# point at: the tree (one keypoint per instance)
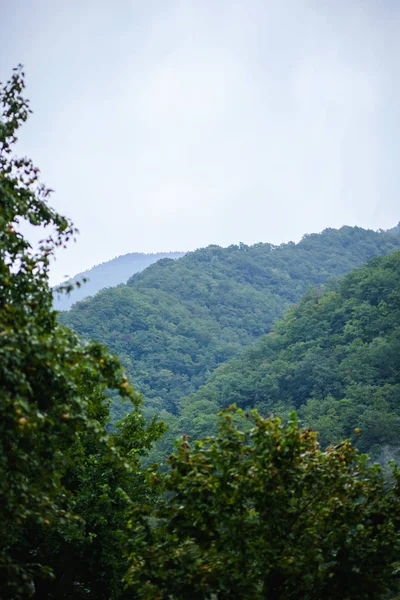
(260, 511)
(52, 386)
(87, 561)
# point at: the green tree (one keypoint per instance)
(260, 511)
(52, 387)
(87, 561)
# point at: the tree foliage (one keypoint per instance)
(334, 357)
(51, 385)
(87, 561)
(260, 511)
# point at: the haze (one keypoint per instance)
(170, 125)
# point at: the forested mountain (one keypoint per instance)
(257, 511)
(174, 323)
(334, 357)
(108, 274)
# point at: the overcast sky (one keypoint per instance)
(169, 125)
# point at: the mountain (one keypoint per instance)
(108, 274)
(334, 357)
(175, 322)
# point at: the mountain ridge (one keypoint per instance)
(109, 273)
(334, 357)
(175, 322)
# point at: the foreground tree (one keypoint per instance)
(264, 513)
(52, 391)
(87, 561)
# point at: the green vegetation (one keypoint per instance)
(259, 510)
(107, 274)
(173, 324)
(63, 480)
(101, 479)
(334, 357)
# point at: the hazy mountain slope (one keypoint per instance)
(109, 274)
(335, 357)
(175, 322)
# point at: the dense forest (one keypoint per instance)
(334, 357)
(258, 510)
(107, 274)
(174, 323)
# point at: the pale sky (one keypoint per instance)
(174, 124)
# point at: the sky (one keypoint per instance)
(175, 124)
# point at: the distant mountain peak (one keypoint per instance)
(109, 274)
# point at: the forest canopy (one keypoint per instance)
(175, 322)
(334, 357)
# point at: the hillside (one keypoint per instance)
(334, 357)
(175, 322)
(109, 274)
